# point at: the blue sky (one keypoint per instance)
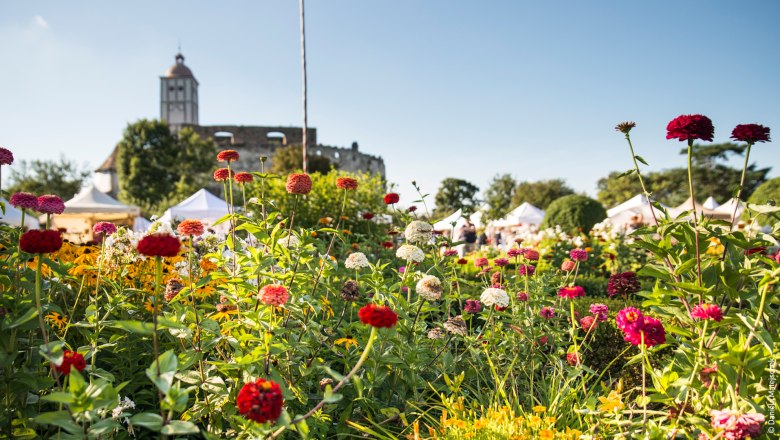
(437, 88)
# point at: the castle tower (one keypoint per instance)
(179, 95)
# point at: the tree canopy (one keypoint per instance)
(456, 194)
(499, 196)
(61, 177)
(290, 159)
(158, 169)
(540, 193)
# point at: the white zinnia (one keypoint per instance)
(410, 253)
(356, 260)
(418, 232)
(429, 287)
(492, 296)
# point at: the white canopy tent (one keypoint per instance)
(141, 224)
(445, 224)
(525, 214)
(636, 207)
(710, 203)
(700, 210)
(13, 217)
(202, 206)
(728, 208)
(88, 207)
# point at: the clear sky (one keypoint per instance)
(437, 88)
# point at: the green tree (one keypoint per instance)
(158, 169)
(711, 177)
(767, 194)
(61, 177)
(541, 193)
(456, 194)
(574, 213)
(289, 159)
(499, 196)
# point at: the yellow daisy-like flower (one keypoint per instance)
(539, 409)
(346, 342)
(573, 434)
(325, 221)
(611, 403)
(224, 315)
(314, 234)
(715, 247)
(546, 434)
(535, 420)
(346, 232)
(57, 320)
(149, 307)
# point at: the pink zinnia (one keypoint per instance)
(735, 425)
(571, 292)
(243, 177)
(690, 127)
(472, 306)
(480, 262)
(500, 262)
(573, 359)
(629, 319)
(274, 295)
(227, 156)
(223, 174)
(750, 133)
(578, 255)
(105, 228)
(514, 252)
(568, 266)
(24, 200)
(6, 156)
(600, 311)
(588, 323)
(50, 204)
(547, 312)
(652, 330)
(707, 311)
(299, 184)
(530, 254)
(522, 296)
(450, 253)
(526, 270)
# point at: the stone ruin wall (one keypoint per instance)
(253, 142)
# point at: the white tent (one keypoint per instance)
(88, 207)
(13, 217)
(635, 206)
(202, 206)
(728, 208)
(91, 200)
(476, 218)
(141, 224)
(445, 224)
(701, 210)
(526, 213)
(710, 203)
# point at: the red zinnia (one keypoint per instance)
(690, 127)
(462, 261)
(36, 241)
(750, 133)
(653, 332)
(298, 184)
(274, 295)
(530, 254)
(391, 198)
(227, 156)
(223, 174)
(243, 177)
(500, 262)
(24, 200)
(190, 227)
(368, 215)
(387, 244)
(260, 401)
(377, 316)
(159, 245)
(50, 204)
(568, 266)
(347, 183)
(71, 359)
(573, 359)
(588, 323)
(571, 292)
(6, 156)
(411, 209)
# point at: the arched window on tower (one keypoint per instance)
(223, 138)
(276, 138)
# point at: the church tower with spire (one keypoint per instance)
(179, 95)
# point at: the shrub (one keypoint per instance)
(574, 212)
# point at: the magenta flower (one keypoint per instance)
(24, 200)
(472, 306)
(629, 319)
(578, 255)
(450, 253)
(514, 252)
(526, 270)
(522, 296)
(690, 127)
(707, 311)
(50, 204)
(547, 312)
(750, 133)
(105, 228)
(652, 330)
(571, 292)
(6, 156)
(623, 284)
(500, 262)
(600, 311)
(736, 425)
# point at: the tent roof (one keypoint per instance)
(446, 223)
(525, 213)
(202, 205)
(13, 217)
(710, 203)
(91, 200)
(637, 201)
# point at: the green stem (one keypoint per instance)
(38, 305)
(695, 218)
(417, 315)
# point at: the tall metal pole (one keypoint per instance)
(303, 64)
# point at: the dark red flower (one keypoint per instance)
(462, 261)
(623, 284)
(260, 401)
(571, 292)
(299, 183)
(6, 156)
(36, 241)
(367, 215)
(50, 204)
(159, 245)
(377, 316)
(227, 156)
(190, 227)
(526, 270)
(761, 250)
(500, 262)
(71, 359)
(391, 198)
(750, 133)
(387, 244)
(243, 177)
(24, 200)
(411, 209)
(223, 174)
(472, 306)
(690, 127)
(347, 183)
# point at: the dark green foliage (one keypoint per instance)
(456, 194)
(158, 169)
(289, 159)
(61, 177)
(541, 193)
(768, 193)
(499, 196)
(574, 213)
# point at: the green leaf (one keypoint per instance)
(58, 397)
(148, 420)
(167, 365)
(330, 396)
(179, 427)
(142, 328)
(639, 158)
(26, 317)
(58, 418)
